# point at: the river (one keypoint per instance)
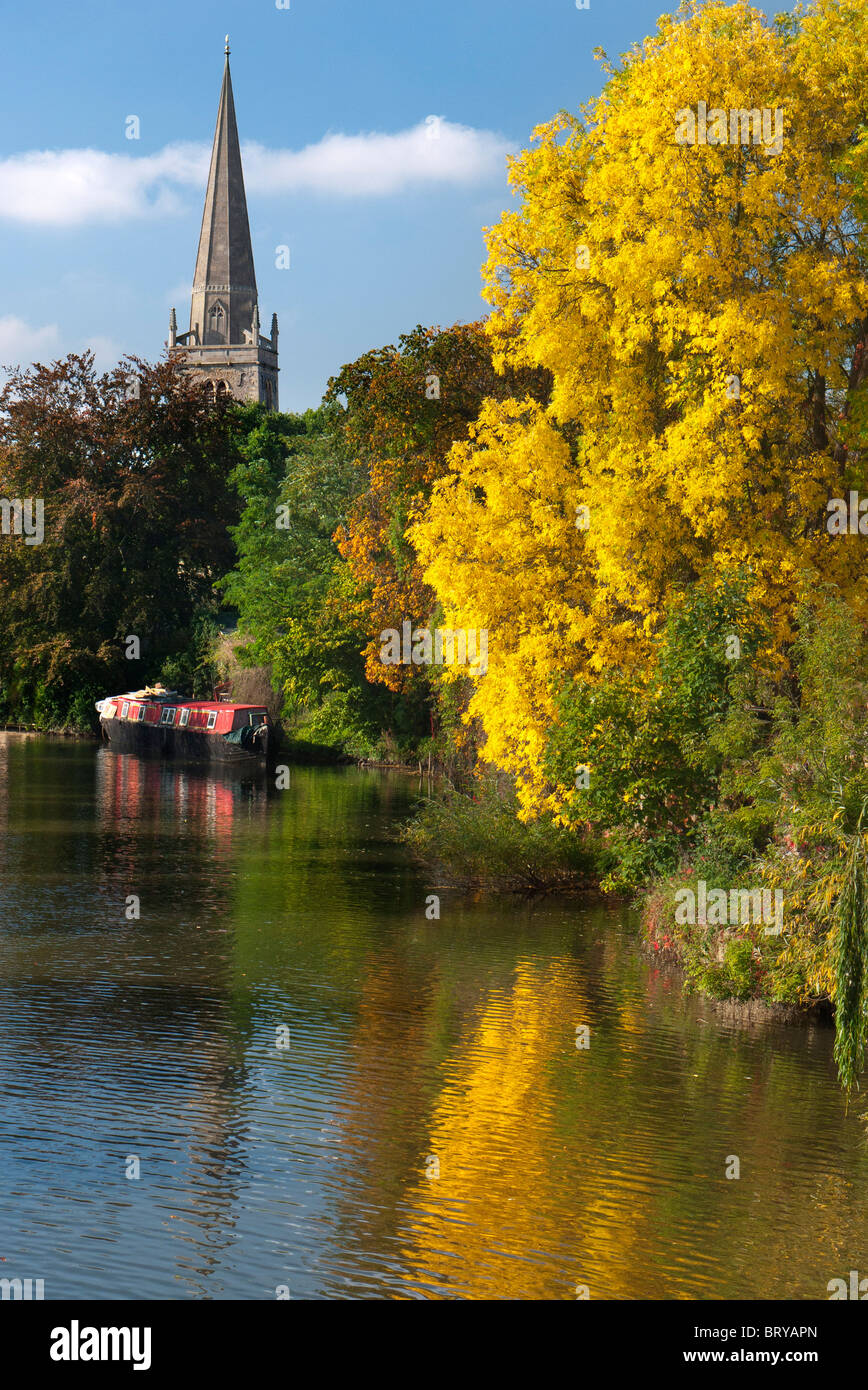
(239, 1061)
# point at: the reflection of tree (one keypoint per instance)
(560, 1167)
(494, 1133)
(321, 879)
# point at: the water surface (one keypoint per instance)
(432, 1129)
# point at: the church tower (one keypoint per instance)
(224, 346)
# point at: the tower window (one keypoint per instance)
(217, 319)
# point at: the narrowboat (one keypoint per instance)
(159, 721)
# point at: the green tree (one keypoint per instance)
(132, 468)
(634, 756)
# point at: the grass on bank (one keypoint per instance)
(475, 840)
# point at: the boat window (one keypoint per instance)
(125, 709)
(185, 718)
(212, 719)
(141, 714)
(168, 716)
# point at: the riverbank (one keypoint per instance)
(740, 1012)
(48, 733)
(736, 969)
(475, 841)
(730, 959)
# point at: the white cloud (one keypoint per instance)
(68, 188)
(20, 344)
(372, 164)
(76, 187)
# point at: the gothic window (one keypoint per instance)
(217, 320)
(208, 392)
(222, 389)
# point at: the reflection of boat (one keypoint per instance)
(155, 720)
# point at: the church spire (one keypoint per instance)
(224, 285)
(224, 347)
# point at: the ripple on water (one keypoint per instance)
(431, 1130)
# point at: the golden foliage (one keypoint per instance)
(703, 311)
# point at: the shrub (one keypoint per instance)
(478, 839)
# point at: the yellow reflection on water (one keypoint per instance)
(494, 1134)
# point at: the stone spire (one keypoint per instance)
(223, 345)
(224, 283)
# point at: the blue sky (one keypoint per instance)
(98, 233)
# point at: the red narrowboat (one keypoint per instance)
(155, 720)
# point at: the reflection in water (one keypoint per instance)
(416, 1048)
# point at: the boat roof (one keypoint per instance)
(169, 697)
(212, 704)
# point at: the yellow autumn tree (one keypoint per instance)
(688, 260)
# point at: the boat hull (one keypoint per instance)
(155, 740)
